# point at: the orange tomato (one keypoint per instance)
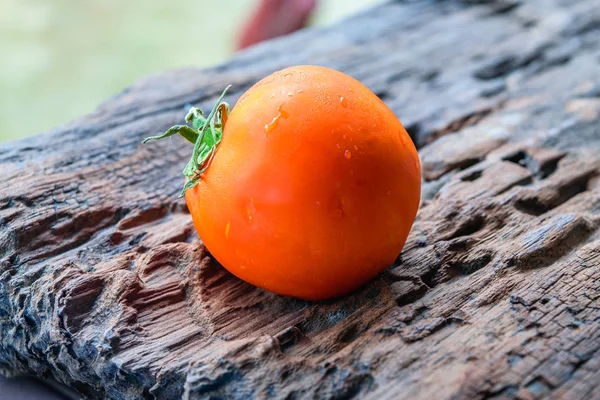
(313, 189)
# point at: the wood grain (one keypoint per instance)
(105, 287)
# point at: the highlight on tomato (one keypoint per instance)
(307, 188)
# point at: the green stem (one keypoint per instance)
(185, 131)
(206, 135)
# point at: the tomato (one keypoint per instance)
(313, 189)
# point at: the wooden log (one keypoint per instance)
(105, 287)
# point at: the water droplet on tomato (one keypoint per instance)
(270, 127)
(299, 91)
(281, 113)
(350, 89)
(348, 154)
(227, 229)
(355, 147)
(287, 75)
(290, 94)
(344, 102)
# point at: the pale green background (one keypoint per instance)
(61, 58)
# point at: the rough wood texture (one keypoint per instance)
(105, 287)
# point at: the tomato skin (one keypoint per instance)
(314, 187)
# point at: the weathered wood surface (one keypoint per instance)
(104, 285)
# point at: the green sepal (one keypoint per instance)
(185, 131)
(206, 135)
(196, 117)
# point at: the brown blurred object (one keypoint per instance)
(274, 18)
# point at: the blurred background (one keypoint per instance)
(61, 58)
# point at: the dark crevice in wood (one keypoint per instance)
(348, 335)
(143, 217)
(513, 358)
(429, 277)
(532, 206)
(471, 176)
(472, 225)
(536, 206)
(520, 158)
(504, 65)
(427, 329)
(399, 76)
(383, 94)
(539, 387)
(430, 75)
(468, 163)
(548, 168)
(541, 169)
(469, 266)
(528, 23)
(407, 292)
(459, 124)
(459, 244)
(288, 337)
(570, 190)
(414, 131)
(504, 7)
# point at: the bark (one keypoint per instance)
(105, 287)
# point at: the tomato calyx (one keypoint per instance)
(205, 134)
